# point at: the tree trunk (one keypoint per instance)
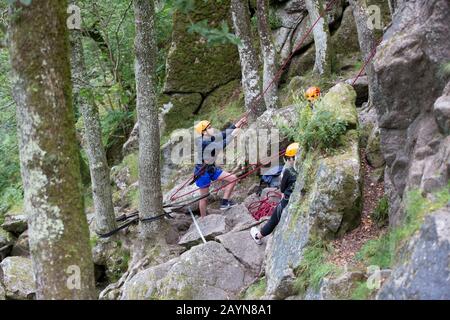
(147, 114)
(58, 230)
(251, 82)
(105, 220)
(268, 54)
(322, 39)
(366, 39)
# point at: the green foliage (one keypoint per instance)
(274, 21)
(381, 213)
(317, 128)
(382, 251)
(112, 121)
(214, 36)
(444, 70)
(256, 290)
(361, 292)
(313, 267)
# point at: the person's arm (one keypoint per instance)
(284, 184)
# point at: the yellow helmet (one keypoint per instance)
(292, 149)
(312, 93)
(202, 125)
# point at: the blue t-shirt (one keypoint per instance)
(209, 146)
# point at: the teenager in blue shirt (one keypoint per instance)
(208, 146)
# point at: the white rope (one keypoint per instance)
(197, 226)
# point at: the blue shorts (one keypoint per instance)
(205, 179)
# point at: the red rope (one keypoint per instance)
(264, 207)
(372, 54)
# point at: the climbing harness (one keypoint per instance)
(264, 207)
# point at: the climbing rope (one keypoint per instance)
(265, 206)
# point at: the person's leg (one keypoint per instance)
(272, 223)
(203, 182)
(203, 203)
(231, 181)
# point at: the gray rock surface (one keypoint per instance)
(205, 272)
(18, 278)
(425, 274)
(244, 249)
(211, 226)
(414, 48)
(15, 222)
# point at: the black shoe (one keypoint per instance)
(227, 204)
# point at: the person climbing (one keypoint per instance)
(288, 178)
(206, 170)
(312, 94)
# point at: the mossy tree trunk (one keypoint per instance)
(366, 39)
(105, 220)
(150, 203)
(58, 230)
(251, 81)
(269, 55)
(322, 39)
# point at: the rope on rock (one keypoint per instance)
(264, 207)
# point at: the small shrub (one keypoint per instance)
(313, 268)
(381, 213)
(361, 292)
(316, 128)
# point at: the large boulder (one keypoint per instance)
(21, 247)
(6, 238)
(325, 203)
(244, 249)
(192, 64)
(425, 273)
(205, 272)
(2, 292)
(18, 278)
(408, 81)
(211, 226)
(442, 111)
(15, 222)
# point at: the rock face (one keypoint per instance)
(18, 278)
(15, 222)
(211, 226)
(244, 249)
(408, 84)
(207, 271)
(21, 247)
(6, 238)
(2, 292)
(425, 274)
(326, 201)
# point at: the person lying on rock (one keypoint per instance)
(288, 178)
(208, 146)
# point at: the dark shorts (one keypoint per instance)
(205, 179)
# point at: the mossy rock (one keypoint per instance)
(192, 64)
(341, 100)
(182, 113)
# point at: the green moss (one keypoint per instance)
(256, 290)
(193, 65)
(313, 267)
(132, 162)
(182, 114)
(361, 291)
(381, 213)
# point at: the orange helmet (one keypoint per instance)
(202, 126)
(312, 94)
(292, 149)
